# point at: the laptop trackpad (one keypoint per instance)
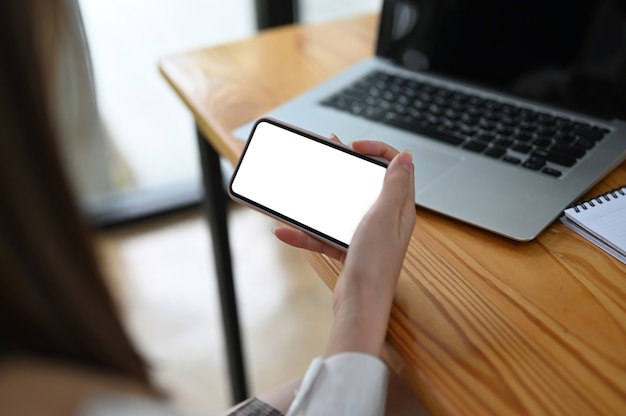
(431, 164)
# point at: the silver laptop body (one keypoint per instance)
(506, 195)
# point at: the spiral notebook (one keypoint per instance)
(601, 220)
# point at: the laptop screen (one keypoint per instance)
(568, 53)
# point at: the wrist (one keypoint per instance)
(359, 325)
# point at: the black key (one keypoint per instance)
(573, 151)
(452, 115)
(509, 121)
(588, 132)
(475, 146)
(416, 113)
(493, 105)
(585, 143)
(374, 113)
(449, 125)
(527, 127)
(440, 100)
(504, 130)
(395, 87)
(354, 93)
(552, 172)
(546, 120)
(356, 108)
(486, 137)
(436, 109)
(457, 105)
(410, 93)
(440, 135)
(510, 110)
(522, 148)
(385, 104)
(476, 101)
(400, 109)
(560, 158)
(491, 116)
(375, 92)
(472, 110)
(523, 136)
(389, 95)
(534, 163)
(468, 130)
(502, 142)
(542, 143)
(496, 152)
(339, 102)
(429, 88)
(404, 99)
(564, 125)
(567, 138)
(426, 97)
(432, 119)
(420, 104)
(460, 96)
(513, 160)
(469, 119)
(527, 114)
(372, 101)
(547, 133)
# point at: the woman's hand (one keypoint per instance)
(364, 291)
(303, 240)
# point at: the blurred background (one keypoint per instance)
(161, 267)
(150, 132)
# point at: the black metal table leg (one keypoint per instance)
(215, 203)
(272, 13)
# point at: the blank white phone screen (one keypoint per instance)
(324, 188)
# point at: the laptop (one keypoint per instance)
(512, 110)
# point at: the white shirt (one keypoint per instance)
(344, 384)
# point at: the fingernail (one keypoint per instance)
(405, 158)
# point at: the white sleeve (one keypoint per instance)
(345, 384)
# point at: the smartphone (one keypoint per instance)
(317, 185)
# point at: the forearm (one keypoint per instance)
(360, 323)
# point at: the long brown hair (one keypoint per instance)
(54, 303)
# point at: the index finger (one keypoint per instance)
(375, 148)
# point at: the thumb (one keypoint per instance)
(398, 182)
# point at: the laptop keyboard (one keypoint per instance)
(516, 135)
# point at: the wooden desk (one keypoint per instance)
(480, 324)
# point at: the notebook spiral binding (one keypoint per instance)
(600, 199)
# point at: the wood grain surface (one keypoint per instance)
(481, 324)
